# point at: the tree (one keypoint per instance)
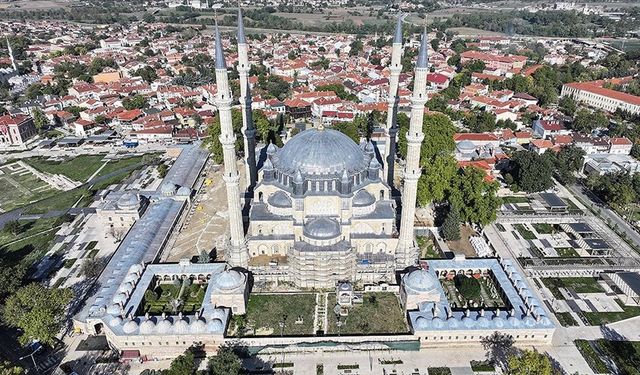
(567, 105)
(38, 311)
(7, 368)
(10, 279)
(226, 362)
(586, 121)
(39, 119)
(150, 296)
(92, 267)
(356, 47)
(436, 180)
(531, 172)
(212, 143)
(499, 347)
(349, 130)
(451, 225)
(474, 196)
(204, 257)
(148, 74)
(568, 161)
(14, 227)
(134, 102)
(183, 364)
(529, 362)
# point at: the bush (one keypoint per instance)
(451, 225)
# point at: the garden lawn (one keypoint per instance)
(601, 318)
(512, 199)
(380, 313)
(191, 299)
(79, 168)
(61, 201)
(567, 252)
(577, 284)
(427, 248)
(543, 228)
(116, 165)
(566, 319)
(524, 232)
(591, 357)
(20, 187)
(265, 312)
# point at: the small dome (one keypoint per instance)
(483, 322)
(136, 268)
(271, 149)
(147, 327)
(113, 309)
(322, 228)
(363, 198)
(421, 280)
(498, 321)
(514, 322)
(374, 164)
(128, 201)
(368, 147)
(180, 327)
(120, 298)
(131, 278)
(126, 287)
(198, 326)
(453, 323)
(468, 322)
(279, 199)
(466, 147)
(422, 322)
(168, 189)
(164, 326)
(115, 321)
(215, 325)
(184, 191)
(437, 322)
(529, 321)
(545, 321)
(268, 165)
(130, 327)
(229, 279)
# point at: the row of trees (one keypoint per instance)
(616, 189)
(531, 172)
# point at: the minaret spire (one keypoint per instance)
(236, 254)
(248, 129)
(13, 60)
(407, 251)
(392, 104)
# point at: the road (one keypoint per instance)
(605, 212)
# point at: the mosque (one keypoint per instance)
(320, 214)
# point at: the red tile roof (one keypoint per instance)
(613, 94)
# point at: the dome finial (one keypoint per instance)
(319, 123)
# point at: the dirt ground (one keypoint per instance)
(206, 225)
(463, 245)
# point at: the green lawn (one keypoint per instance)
(566, 319)
(577, 284)
(524, 232)
(439, 371)
(600, 318)
(20, 187)
(543, 228)
(265, 313)
(482, 366)
(512, 199)
(427, 249)
(567, 252)
(79, 168)
(591, 357)
(379, 313)
(115, 165)
(61, 201)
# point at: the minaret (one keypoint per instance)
(237, 254)
(407, 251)
(13, 60)
(392, 104)
(248, 130)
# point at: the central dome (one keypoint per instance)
(323, 151)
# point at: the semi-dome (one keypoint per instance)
(322, 228)
(279, 199)
(229, 279)
(421, 280)
(324, 151)
(167, 189)
(363, 198)
(128, 201)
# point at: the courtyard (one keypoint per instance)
(172, 298)
(476, 291)
(276, 315)
(379, 313)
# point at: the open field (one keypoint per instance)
(378, 314)
(601, 318)
(78, 169)
(20, 187)
(577, 284)
(34, 4)
(30, 244)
